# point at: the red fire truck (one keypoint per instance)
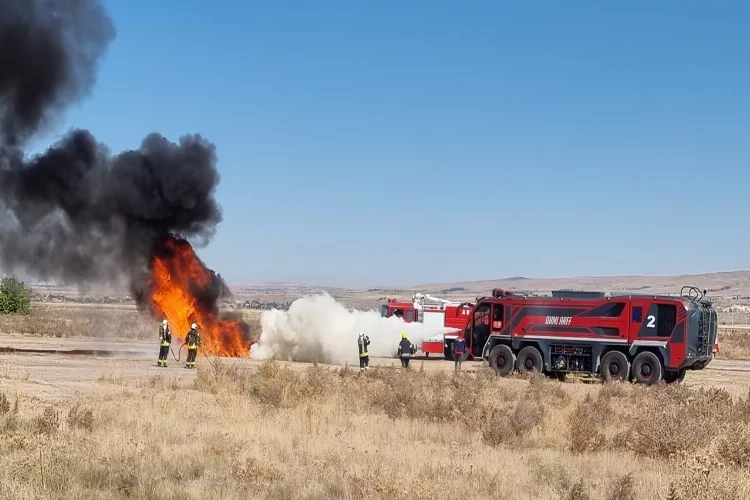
(435, 312)
(646, 338)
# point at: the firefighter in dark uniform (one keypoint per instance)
(193, 340)
(364, 357)
(165, 339)
(405, 350)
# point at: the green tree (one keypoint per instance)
(15, 296)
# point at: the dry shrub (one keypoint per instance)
(252, 472)
(4, 404)
(672, 420)
(699, 478)
(614, 390)
(732, 445)
(217, 375)
(622, 488)
(742, 409)
(672, 494)
(550, 392)
(437, 398)
(276, 386)
(527, 415)
(48, 422)
(578, 491)
(586, 423)
(273, 384)
(405, 395)
(80, 417)
(495, 432)
(553, 474)
(510, 425)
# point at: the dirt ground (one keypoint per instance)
(56, 369)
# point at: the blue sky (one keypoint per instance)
(394, 143)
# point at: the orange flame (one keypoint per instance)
(180, 288)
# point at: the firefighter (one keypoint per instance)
(459, 348)
(165, 339)
(364, 358)
(405, 350)
(193, 340)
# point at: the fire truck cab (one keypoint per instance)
(433, 312)
(646, 338)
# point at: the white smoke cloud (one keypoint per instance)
(317, 328)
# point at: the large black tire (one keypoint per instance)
(502, 360)
(647, 368)
(614, 366)
(530, 360)
(671, 377)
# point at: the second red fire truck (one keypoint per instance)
(433, 312)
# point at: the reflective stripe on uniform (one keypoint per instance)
(192, 346)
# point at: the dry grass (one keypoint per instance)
(47, 320)
(279, 433)
(734, 343)
(102, 321)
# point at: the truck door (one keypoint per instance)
(481, 328)
(638, 311)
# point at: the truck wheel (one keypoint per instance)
(614, 366)
(647, 368)
(674, 376)
(530, 360)
(502, 360)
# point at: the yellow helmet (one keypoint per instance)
(403, 335)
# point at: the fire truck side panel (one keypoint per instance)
(433, 319)
(436, 347)
(550, 325)
(455, 316)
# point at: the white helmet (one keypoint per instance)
(164, 322)
(194, 326)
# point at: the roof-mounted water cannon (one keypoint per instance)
(499, 292)
(420, 299)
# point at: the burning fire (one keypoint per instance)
(184, 291)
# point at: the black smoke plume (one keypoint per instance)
(76, 213)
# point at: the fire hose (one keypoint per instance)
(179, 352)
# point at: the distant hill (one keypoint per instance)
(732, 282)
